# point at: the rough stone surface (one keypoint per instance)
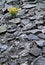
(35, 51)
(22, 38)
(3, 28)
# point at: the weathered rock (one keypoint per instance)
(11, 27)
(11, 1)
(28, 26)
(1, 56)
(22, 60)
(39, 16)
(35, 51)
(2, 4)
(21, 12)
(16, 20)
(10, 37)
(43, 30)
(24, 63)
(23, 36)
(16, 33)
(25, 21)
(3, 28)
(41, 35)
(7, 16)
(33, 37)
(40, 43)
(9, 49)
(32, 18)
(43, 52)
(24, 53)
(31, 12)
(34, 31)
(13, 63)
(24, 0)
(3, 48)
(39, 22)
(21, 46)
(28, 6)
(38, 61)
(4, 60)
(14, 56)
(1, 16)
(25, 16)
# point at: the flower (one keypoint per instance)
(12, 9)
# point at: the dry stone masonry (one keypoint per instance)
(22, 38)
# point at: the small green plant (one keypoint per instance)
(13, 11)
(13, 14)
